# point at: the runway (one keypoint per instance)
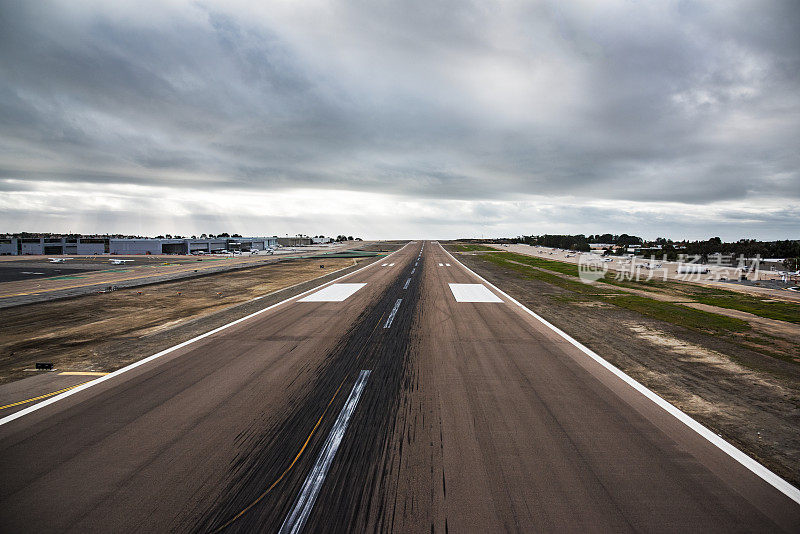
(389, 400)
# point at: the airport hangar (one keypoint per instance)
(87, 246)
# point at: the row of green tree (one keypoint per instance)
(578, 242)
(749, 248)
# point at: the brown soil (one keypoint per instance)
(103, 332)
(771, 327)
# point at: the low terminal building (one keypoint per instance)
(18, 246)
(294, 241)
(87, 246)
(190, 246)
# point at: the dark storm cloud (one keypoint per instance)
(656, 101)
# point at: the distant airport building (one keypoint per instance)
(294, 241)
(87, 246)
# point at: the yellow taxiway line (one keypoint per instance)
(42, 396)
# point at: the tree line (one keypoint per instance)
(579, 242)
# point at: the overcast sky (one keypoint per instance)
(428, 119)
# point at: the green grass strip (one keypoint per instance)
(722, 298)
(679, 315)
(666, 311)
(473, 248)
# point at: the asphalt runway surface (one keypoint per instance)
(12, 274)
(395, 408)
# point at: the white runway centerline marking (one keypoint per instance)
(333, 293)
(296, 519)
(407, 282)
(413, 270)
(416, 263)
(473, 293)
(394, 312)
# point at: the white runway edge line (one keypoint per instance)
(394, 312)
(296, 519)
(765, 474)
(51, 400)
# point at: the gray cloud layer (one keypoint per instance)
(685, 102)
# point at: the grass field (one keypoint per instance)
(523, 264)
(472, 248)
(680, 315)
(770, 309)
(570, 269)
(665, 311)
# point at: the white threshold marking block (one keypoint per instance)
(441, 265)
(447, 265)
(296, 519)
(384, 264)
(473, 293)
(333, 293)
(391, 265)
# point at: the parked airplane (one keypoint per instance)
(58, 260)
(119, 262)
